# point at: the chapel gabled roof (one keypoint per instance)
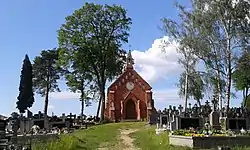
(129, 68)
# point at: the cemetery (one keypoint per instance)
(208, 47)
(21, 131)
(205, 127)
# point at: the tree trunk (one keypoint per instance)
(199, 102)
(228, 75)
(46, 108)
(99, 106)
(82, 110)
(186, 91)
(219, 90)
(102, 103)
(245, 93)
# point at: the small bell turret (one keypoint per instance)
(130, 60)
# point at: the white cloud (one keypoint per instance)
(157, 63)
(51, 107)
(64, 95)
(168, 95)
(165, 97)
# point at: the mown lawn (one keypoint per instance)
(90, 139)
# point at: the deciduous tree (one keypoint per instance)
(195, 88)
(96, 33)
(177, 34)
(215, 31)
(241, 75)
(79, 82)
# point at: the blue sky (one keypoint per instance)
(29, 26)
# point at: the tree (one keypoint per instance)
(177, 33)
(95, 33)
(78, 82)
(215, 31)
(246, 102)
(46, 75)
(241, 75)
(195, 88)
(26, 95)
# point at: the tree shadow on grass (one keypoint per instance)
(79, 140)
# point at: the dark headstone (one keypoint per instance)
(237, 124)
(29, 114)
(186, 123)
(153, 118)
(39, 123)
(164, 120)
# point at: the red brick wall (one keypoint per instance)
(119, 87)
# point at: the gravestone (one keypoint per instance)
(237, 123)
(29, 114)
(237, 119)
(214, 116)
(3, 124)
(193, 117)
(186, 123)
(164, 119)
(153, 118)
(214, 119)
(63, 117)
(25, 124)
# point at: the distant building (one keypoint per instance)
(3, 117)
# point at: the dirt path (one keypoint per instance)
(126, 142)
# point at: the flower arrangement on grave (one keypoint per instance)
(207, 131)
(200, 133)
(243, 132)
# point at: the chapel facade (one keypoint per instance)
(129, 97)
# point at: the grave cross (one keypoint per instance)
(175, 111)
(190, 105)
(206, 108)
(71, 115)
(207, 102)
(180, 108)
(164, 111)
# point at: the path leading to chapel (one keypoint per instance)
(126, 142)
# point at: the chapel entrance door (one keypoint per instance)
(130, 110)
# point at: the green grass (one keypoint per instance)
(146, 139)
(91, 138)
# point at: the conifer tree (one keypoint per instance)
(26, 95)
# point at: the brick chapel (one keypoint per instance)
(129, 97)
